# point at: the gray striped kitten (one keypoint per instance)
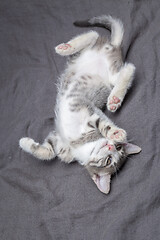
(95, 75)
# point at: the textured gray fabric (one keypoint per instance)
(52, 200)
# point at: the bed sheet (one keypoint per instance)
(53, 200)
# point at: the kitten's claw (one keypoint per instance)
(113, 103)
(64, 49)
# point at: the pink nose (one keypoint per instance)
(110, 147)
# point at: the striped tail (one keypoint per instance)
(113, 24)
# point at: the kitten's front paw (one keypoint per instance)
(118, 135)
(113, 103)
(64, 49)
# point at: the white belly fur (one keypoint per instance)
(71, 124)
(94, 63)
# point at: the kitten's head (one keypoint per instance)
(105, 159)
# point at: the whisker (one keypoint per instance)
(129, 157)
(130, 140)
(115, 169)
(118, 169)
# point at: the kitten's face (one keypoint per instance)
(105, 158)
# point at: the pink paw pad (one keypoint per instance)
(114, 103)
(64, 46)
(117, 134)
(114, 100)
(112, 107)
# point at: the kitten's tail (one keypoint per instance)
(113, 24)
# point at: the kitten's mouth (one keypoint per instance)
(108, 146)
(104, 144)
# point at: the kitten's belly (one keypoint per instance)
(70, 124)
(93, 63)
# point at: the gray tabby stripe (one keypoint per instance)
(88, 137)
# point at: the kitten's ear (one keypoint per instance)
(132, 149)
(102, 182)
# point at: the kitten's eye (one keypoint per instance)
(118, 147)
(109, 160)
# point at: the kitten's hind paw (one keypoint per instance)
(64, 49)
(113, 103)
(26, 144)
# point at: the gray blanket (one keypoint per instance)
(53, 200)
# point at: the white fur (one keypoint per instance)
(26, 143)
(93, 62)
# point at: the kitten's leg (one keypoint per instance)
(52, 147)
(77, 44)
(106, 127)
(111, 131)
(62, 150)
(43, 151)
(121, 85)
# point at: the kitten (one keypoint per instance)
(95, 74)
